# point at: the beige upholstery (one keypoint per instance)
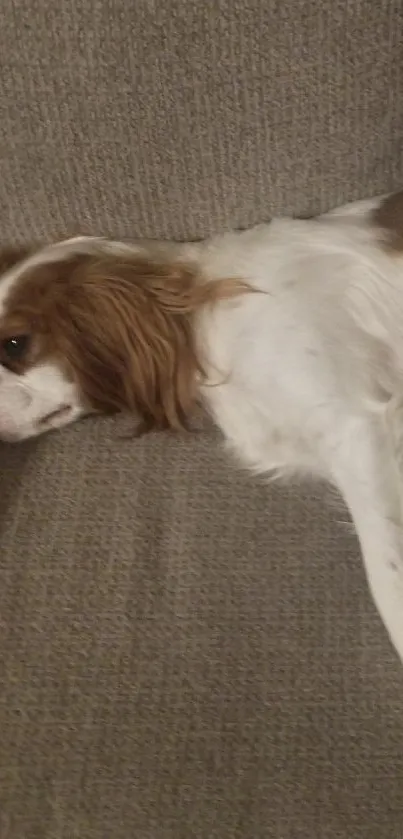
(184, 651)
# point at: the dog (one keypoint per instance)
(289, 334)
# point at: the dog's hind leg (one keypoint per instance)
(361, 466)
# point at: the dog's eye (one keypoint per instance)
(15, 347)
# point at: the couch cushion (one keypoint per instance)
(187, 652)
(177, 119)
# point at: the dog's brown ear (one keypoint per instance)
(134, 345)
(126, 327)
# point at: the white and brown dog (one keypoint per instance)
(289, 334)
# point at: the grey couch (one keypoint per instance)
(185, 651)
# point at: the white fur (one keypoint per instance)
(37, 401)
(306, 374)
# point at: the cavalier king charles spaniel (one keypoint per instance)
(289, 334)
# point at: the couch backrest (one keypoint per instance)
(178, 119)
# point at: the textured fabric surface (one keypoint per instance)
(177, 119)
(185, 652)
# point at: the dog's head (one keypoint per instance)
(88, 325)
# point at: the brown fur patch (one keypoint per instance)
(389, 217)
(122, 327)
